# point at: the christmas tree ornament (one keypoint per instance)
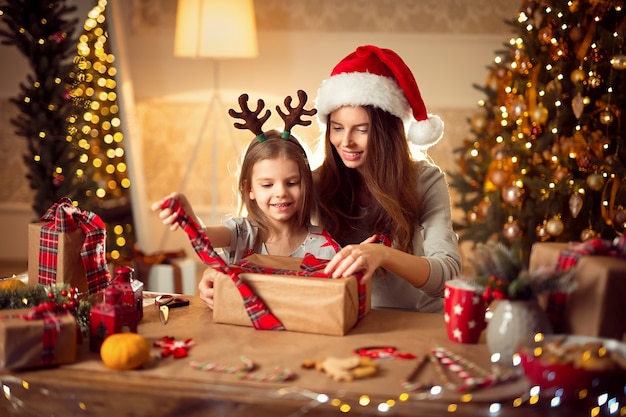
(578, 105)
(542, 232)
(588, 234)
(539, 114)
(595, 181)
(555, 226)
(575, 204)
(512, 195)
(577, 76)
(511, 229)
(483, 208)
(606, 116)
(545, 35)
(472, 216)
(576, 34)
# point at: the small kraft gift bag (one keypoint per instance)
(68, 246)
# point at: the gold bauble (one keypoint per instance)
(595, 181)
(542, 232)
(588, 234)
(539, 114)
(512, 195)
(577, 76)
(499, 177)
(555, 226)
(511, 229)
(479, 122)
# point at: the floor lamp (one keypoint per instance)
(214, 29)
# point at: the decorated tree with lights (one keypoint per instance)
(546, 160)
(98, 131)
(69, 113)
(43, 31)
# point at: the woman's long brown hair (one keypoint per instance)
(388, 179)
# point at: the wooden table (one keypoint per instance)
(170, 387)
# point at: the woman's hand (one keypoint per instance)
(205, 286)
(170, 218)
(366, 257)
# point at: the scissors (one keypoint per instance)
(165, 302)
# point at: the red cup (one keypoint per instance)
(464, 311)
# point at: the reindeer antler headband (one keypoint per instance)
(254, 123)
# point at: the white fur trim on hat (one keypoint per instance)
(364, 88)
(426, 133)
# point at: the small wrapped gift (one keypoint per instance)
(310, 304)
(37, 337)
(68, 246)
(596, 303)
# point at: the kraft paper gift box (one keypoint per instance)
(35, 343)
(70, 269)
(302, 304)
(597, 305)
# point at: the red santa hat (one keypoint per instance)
(379, 77)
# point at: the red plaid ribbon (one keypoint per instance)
(568, 258)
(51, 327)
(63, 217)
(310, 267)
(261, 317)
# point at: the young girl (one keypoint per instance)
(275, 188)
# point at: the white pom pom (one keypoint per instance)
(426, 133)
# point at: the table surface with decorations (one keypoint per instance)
(169, 386)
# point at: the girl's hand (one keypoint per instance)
(205, 286)
(168, 217)
(366, 257)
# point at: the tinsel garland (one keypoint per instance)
(29, 296)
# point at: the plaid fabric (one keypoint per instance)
(260, 316)
(568, 258)
(51, 327)
(63, 217)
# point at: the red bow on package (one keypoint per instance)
(64, 217)
(48, 312)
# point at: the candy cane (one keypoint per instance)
(246, 365)
(462, 373)
(441, 373)
(408, 383)
(279, 374)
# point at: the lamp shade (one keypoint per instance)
(215, 28)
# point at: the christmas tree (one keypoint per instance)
(97, 130)
(43, 32)
(547, 156)
(69, 114)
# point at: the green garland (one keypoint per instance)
(29, 296)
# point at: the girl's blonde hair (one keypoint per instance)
(275, 147)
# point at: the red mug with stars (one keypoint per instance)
(464, 311)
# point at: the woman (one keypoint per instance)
(369, 184)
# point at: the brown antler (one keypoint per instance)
(295, 113)
(253, 122)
